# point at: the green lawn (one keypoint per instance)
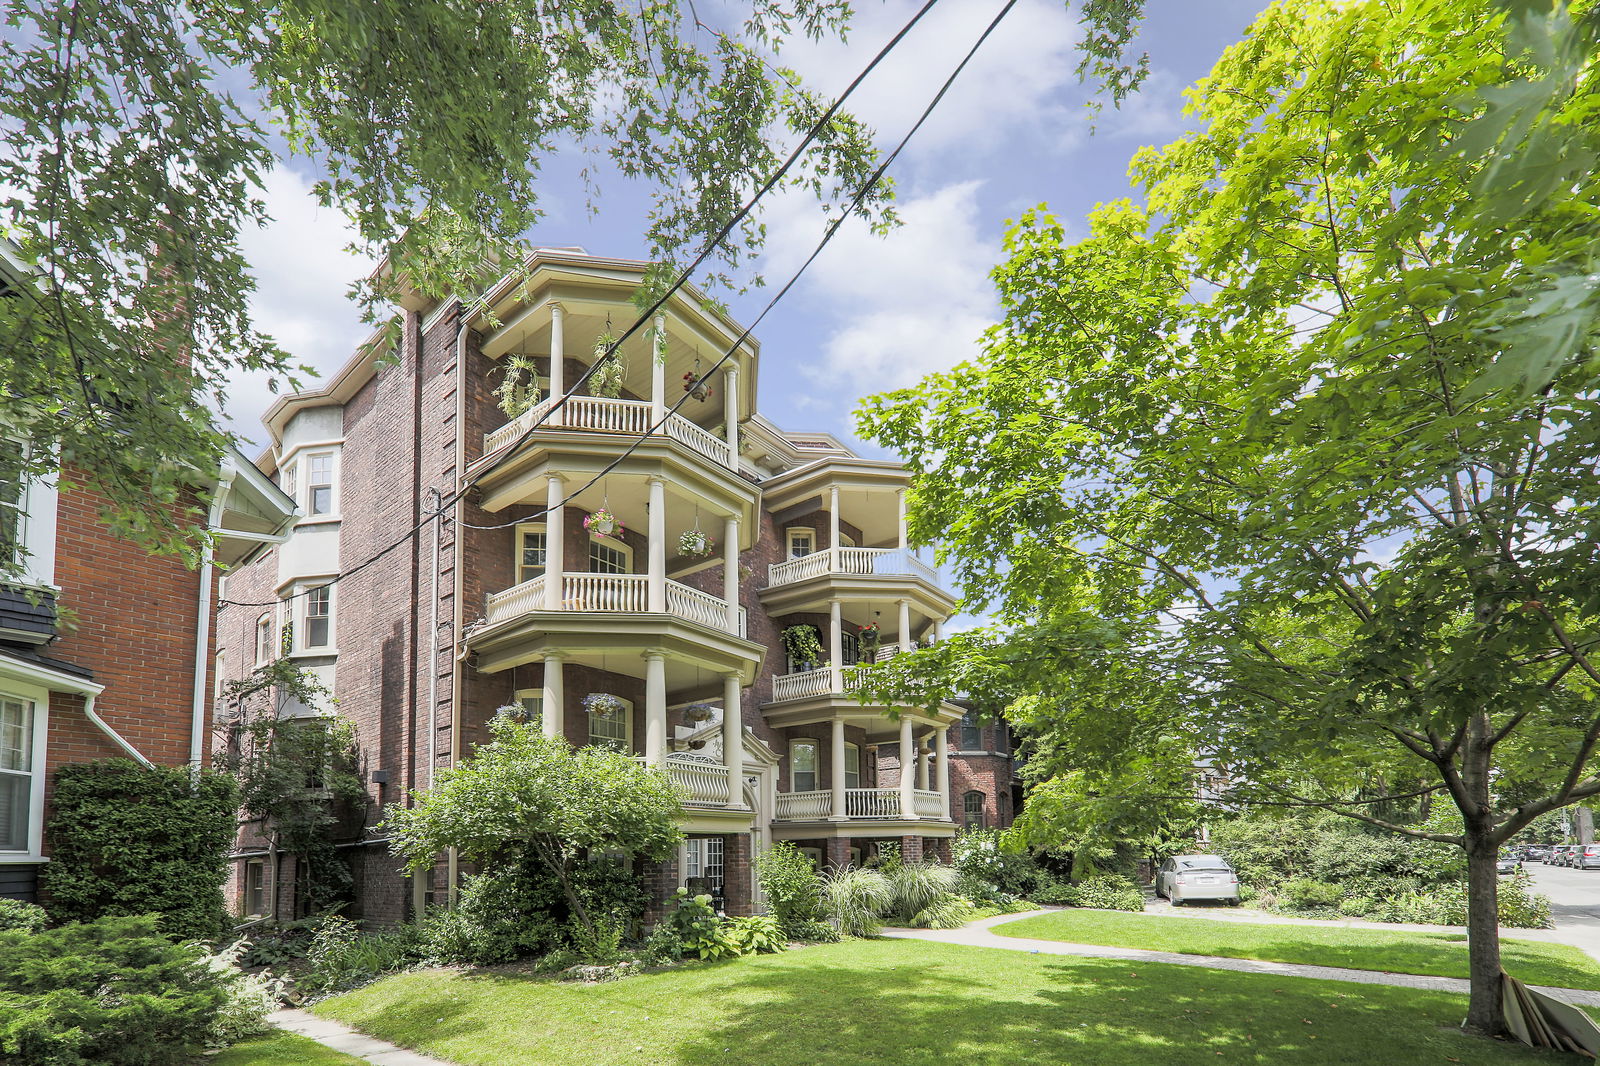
(281, 1049)
(907, 1003)
(1400, 951)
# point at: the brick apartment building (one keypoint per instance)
(985, 781)
(511, 601)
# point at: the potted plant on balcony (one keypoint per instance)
(606, 381)
(603, 705)
(869, 641)
(804, 649)
(694, 542)
(696, 713)
(696, 386)
(602, 523)
(518, 391)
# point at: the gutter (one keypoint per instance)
(202, 637)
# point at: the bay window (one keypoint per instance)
(21, 777)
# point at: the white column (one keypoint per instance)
(941, 763)
(900, 501)
(836, 646)
(658, 372)
(938, 631)
(905, 625)
(558, 359)
(833, 523)
(838, 768)
(730, 412)
(908, 754)
(555, 540)
(553, 711)
(923, 758)
(730, 570)
(655, 708)
(733, 739)
(658, 545)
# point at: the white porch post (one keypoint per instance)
(838, 768)
(655, 708)
(555, 539)
(941, 762)
(908, 781)
(938, 630)
(924, 757)
(730, 570)
(658, 545)
(900, 501)
(836, 646)
(730, 412)
(558, 360)
(833, 524)
(658, 372)
(905, 625)
(733, 739)
(552, 712)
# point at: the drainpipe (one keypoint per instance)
(202, 636)
(457, 607)
(116, 738)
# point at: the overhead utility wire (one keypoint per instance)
(610, 353)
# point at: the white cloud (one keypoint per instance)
(303, 272)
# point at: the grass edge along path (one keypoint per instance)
(281, 1048)
(915, 1003)
(1442, 954)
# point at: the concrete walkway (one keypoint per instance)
(978, 934)
(345, 1039)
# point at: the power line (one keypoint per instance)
(833, 228)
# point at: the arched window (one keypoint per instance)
(972, 810)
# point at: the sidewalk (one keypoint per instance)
(978, 934)
(345, 1039)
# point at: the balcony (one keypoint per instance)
(622, 593)
(868, 804)
(851, 562)
(823, 681)
(704, 781)
(595, 414)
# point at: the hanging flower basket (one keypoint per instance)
(602, 523)
(697, 712)
(603, 705)
(694, 542)
(698, 387)
(869, 632)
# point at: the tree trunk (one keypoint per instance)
(1485, 1013)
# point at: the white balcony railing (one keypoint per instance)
(819, 682)
(612, 592)
(599, 414)
(704, 781)
(873, 803)
(859, 562)
(930, 804)
(803, 806)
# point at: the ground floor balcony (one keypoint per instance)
(873, 804)
(705, 782)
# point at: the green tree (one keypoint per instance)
(1254, 468)
(136, 136)
(527, 798)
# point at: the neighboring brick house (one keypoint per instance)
(422, 649)
(105, 649)
(985, 780)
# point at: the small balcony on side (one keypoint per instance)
(874, 804)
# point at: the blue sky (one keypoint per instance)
(872, 313)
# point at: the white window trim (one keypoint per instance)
(37, 529)
(848, 748)
(269, 617)
(627, 726)
(816, 763)
(244, 901)
(335, 470)
(516, 547)
(293, 605)
(615, 545)
(530, 694)
(789, 539)
(303, 630)
(40, 699)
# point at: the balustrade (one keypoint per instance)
(796, 686)
(859, 562)
(600, 414)
(704, 782)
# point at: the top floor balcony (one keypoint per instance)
(631, 418)
(855, 562)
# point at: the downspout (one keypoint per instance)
(116, 738)
(457, 609)
(202, 637)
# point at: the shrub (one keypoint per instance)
(499, 915)
(756, 935)
(342, 957)
(918, 887)
(28, 917)
(114, 992)
(816, 932)
(854, 900)
(791, 885)
(251, 997)
(944, 912)
(989, 869)
(128, 839)
(1303, 893)
(1111, 893)
(1055, 893)
(695, 930)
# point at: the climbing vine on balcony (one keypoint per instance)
(803, 645)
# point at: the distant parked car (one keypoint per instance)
(1508, 863)
(1587, 857)
(1558, 854)
(1535, 853)
(1188, 877)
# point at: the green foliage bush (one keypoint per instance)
(28, 917)
(1518, 906)
(855, 900)
(991, 872)
(112, 992)
(341, 956)
(1269, 848)
(790, 882)
(816, 932)
(1305, 893)
(127, 839)
(758, 934)
(1110, 892)
(1055, 893)
(693, 930)
(499, 915)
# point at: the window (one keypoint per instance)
(13, 497)
(972, 810)
(264, 647)
(703, 868)
(255, 888)
(802, 542)
(530, 552)
(319, 483)
(609, 557)
(531, 704)
(971, 732)
(614, 731)
(849, 648)
(852, 766)
(319, 617)
(16, 773)
(802, 766)
(286, 480)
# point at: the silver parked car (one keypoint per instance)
(1187, 877)
(1586, 857)
(1507, 863)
